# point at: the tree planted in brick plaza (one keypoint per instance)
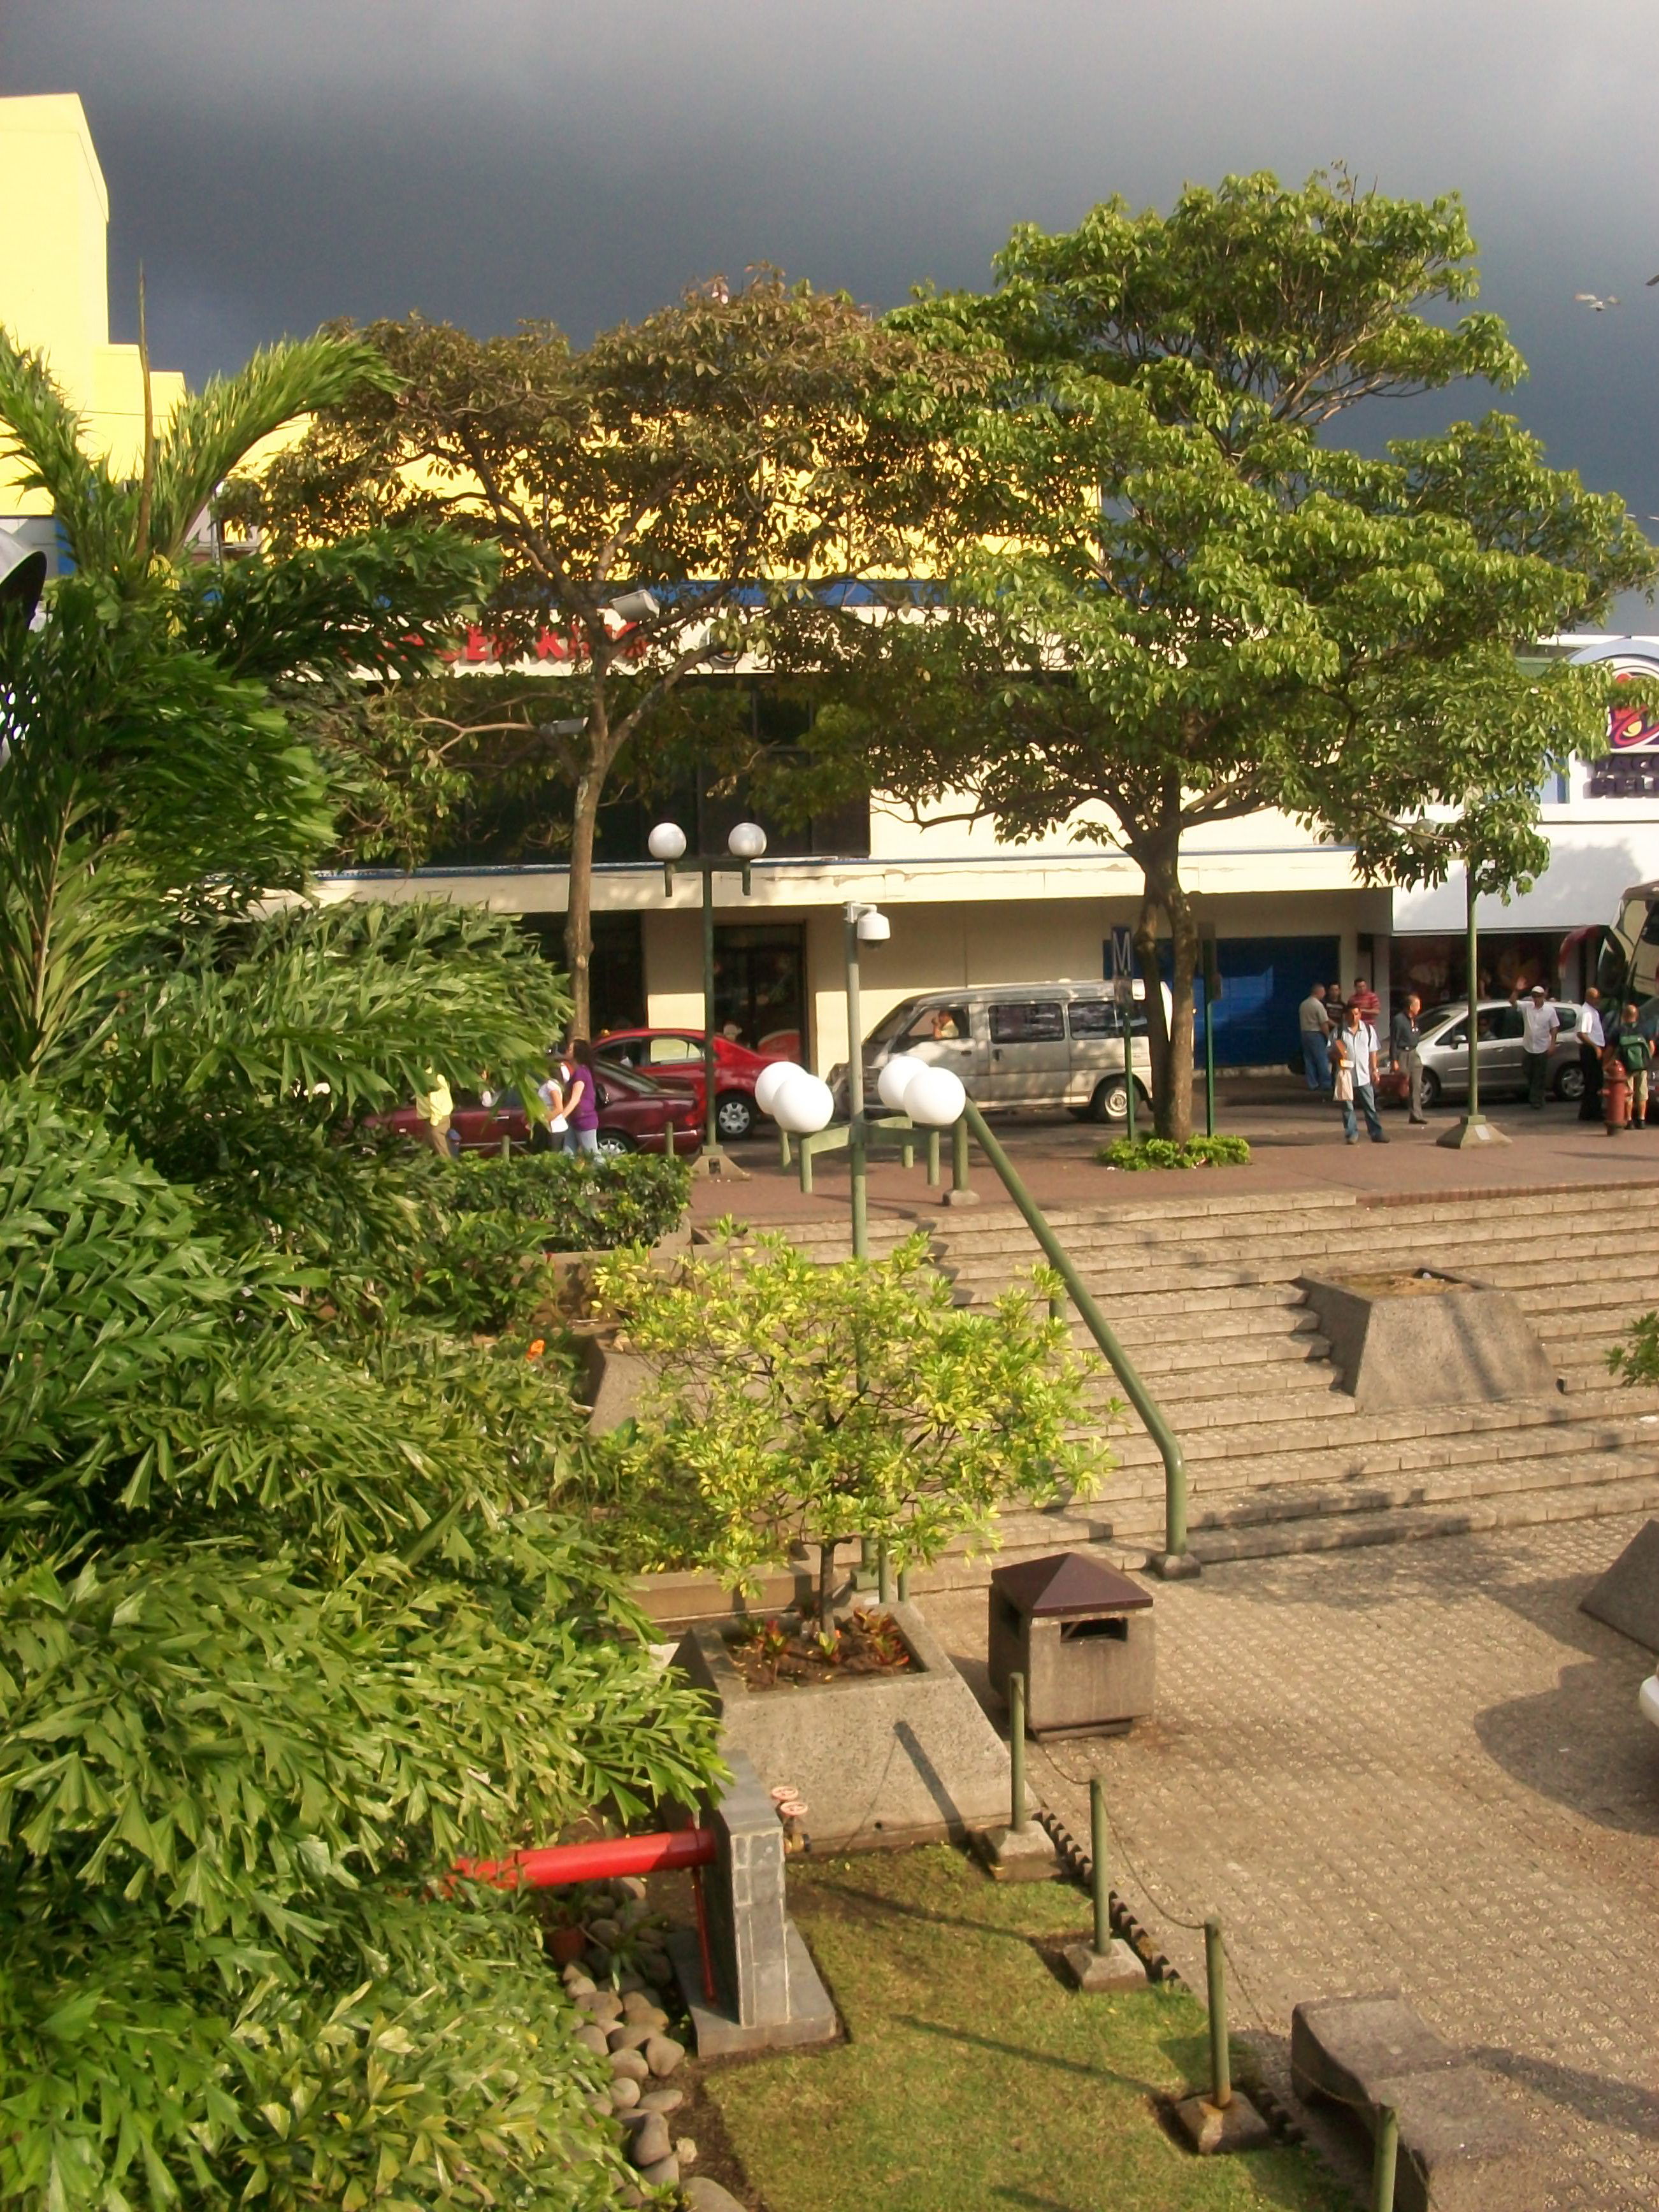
(667, 497)
(1169, 599)
(796, 1403)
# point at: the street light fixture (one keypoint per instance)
(746, 844)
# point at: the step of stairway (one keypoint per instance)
(1358, 1440)
(1323, 1531)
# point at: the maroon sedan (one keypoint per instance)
(637, 1115)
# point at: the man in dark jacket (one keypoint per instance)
(1404, 1037)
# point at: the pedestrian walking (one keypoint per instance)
(1541, 1025)
(547, 1135)
(435, 1107)
(1592, 1044)
(579, 1087)
(1636, 1055)
(1354, 1052)
(1404, 1037)
(1314, 1022)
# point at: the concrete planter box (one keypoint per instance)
(1416, 1337)
(883, 1760)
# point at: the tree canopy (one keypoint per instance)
(1170, 599)
(684, 490)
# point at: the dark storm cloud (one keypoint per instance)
(276, 164)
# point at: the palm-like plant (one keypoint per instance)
(118, 527)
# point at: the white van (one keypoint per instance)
(1018, 1044)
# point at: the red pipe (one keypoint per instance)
(603, 1861)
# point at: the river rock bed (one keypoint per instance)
(620, 1988)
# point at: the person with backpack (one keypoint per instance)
(1635, 1053)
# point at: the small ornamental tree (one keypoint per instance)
(794, 1403)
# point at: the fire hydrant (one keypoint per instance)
(1615, 1094)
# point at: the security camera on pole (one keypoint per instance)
(744, 846)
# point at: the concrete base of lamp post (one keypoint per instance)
(719, 1163)
(1211, 2129)
(1117, 1967)
(1470, 1131)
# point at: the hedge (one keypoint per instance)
(583, 1205)
(1164, 1152)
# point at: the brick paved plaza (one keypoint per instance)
(1420, 1766)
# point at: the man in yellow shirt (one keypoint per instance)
(436, 1106)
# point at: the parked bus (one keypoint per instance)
(1629, 965)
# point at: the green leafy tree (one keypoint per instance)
(1169, 599)
(674, 492)
(793, 1403)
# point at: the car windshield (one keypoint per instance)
(891, 1023)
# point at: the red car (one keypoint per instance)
(679, 1052)
(635, 1115)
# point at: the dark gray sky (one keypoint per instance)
(277, 163)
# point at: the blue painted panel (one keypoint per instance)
(1263, 981)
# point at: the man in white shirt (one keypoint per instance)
(1354, 1049)
(1592, 1044)
(1540, 1025)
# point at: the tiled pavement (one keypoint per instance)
(1419, 1766)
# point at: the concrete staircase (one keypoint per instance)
(1202, 1293)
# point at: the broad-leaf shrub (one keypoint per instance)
(284, 1629)
(580, 1204)
(796, 1403)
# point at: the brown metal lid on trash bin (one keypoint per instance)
(1066, 1585)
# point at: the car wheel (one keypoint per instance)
(613, 1143)
(1431, 1087)
(1111, 1100)
(734, 1114)
(1569, 1083)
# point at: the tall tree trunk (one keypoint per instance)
(579, 916)
(1171, 1045)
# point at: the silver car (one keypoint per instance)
(1501, 1043)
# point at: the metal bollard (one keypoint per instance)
(1388, 2154)
(884, 1575)
(1016, 1813)
(1099, 1885)
(904, 1585)
(1221, 2078)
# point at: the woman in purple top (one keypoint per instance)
(581, 1105)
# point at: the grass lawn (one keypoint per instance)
(970, 2078)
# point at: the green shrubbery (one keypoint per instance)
(580, 1204)
(290, 1616)
(1637, 1360)
(1164, 1152)
(794, 1402)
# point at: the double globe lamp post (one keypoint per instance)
(744, 847)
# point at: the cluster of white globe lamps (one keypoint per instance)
(797, 1101)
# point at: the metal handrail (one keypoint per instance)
(1177, 1560)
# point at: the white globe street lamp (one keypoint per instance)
(803, 1104)
(770, 1081)
(746, 844)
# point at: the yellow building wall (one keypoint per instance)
(54, 284)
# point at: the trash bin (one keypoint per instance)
(1081, 1634)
